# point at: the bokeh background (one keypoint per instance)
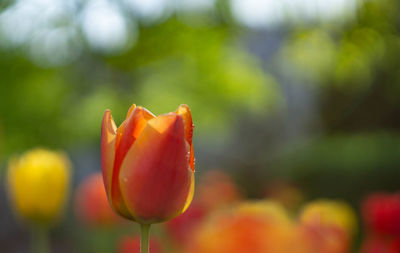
(299, 93)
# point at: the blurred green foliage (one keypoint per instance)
(172, 63)
(349, 56)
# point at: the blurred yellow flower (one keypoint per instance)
(272, 211)
(38, 183)
(326, 226)
(330, 213)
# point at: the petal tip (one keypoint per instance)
(108, 124)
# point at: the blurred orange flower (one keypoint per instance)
(91, 204)
(256, 227)
(148, 164)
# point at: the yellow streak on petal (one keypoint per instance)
(191, 192)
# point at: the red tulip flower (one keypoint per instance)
(382, 214)
(148, 164)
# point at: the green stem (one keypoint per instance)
(40, 240)
(144, 238)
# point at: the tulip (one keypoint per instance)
(148, 165)
(256, 227)
(91, 204)
(329, 213)
(380, 244)
(38, 183)
(381, 213)
(326, 226)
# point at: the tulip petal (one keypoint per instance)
(155, 178)
(191, 158)
(133, 126)
(133, 106)
(109, 140)
(126, 135)
(108, 136)
(121, 128)
(184, 111)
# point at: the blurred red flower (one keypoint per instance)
(379, 244)
(381, 213)
(91, 204)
